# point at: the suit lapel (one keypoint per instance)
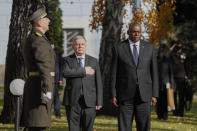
(141, 52)
(86, 60)
(74, 59)
(129, 53)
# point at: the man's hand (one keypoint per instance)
(172, 47)
(60, 83)
(153, 101)
(89, 70)
(114, 101)
(98, 107)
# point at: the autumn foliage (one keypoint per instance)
(97, 14)
(155, 15)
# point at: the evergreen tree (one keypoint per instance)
(55, 33)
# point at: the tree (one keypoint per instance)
(186, 11)
(55, 32)
(14, 66)
(186, 25)
(111, 22)
(157, 19)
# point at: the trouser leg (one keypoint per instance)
(37, 129)
(88, 118)
(57, 101)
(74, 120)
(67, 108)
(142, 116)
(125, 116)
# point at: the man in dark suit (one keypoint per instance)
(39, 86)
(134, 80)
(166, 79)
(83, 92)
(58, 83)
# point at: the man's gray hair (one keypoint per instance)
(78, 37)
(133, 24)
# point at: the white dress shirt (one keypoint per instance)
(137, 46)
(82, 59)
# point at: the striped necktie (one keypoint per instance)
(81, 65)
(80, 62)
(135, 54)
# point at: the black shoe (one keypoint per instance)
(58, 117)
(175, 113)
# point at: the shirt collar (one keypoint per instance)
(83, 56)
(132, 43)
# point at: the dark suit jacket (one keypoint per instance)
(125, 75)
(165, 72)
(58, 70)
(76, 78)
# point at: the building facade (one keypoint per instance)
(76, 20)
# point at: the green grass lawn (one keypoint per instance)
(1, 89)
(106, 123)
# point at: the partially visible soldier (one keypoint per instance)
(180, 76)
(40, 61)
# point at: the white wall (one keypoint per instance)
(5, 13)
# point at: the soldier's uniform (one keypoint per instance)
(179, 76)
(38, 91)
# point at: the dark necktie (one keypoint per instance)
(80, 62)
(81, 65)
(135, 54)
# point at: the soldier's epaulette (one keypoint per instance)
(38, 34)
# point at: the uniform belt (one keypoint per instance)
(38, 73)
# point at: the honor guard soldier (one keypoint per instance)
(40, 61)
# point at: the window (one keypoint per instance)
(69, 34)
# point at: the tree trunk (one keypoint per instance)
(111, 33)
(14, 67)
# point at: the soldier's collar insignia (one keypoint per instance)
(43, 15)
(38, 34)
